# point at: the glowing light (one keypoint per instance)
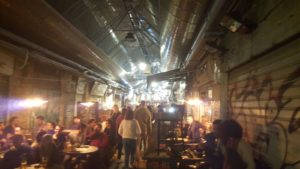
(165, 84)
(123, 73)
(154, 84)
(172, 110)
(32, 103)
(18, 130)
(87, 104)
(142, 66)
(182, 85)
(189, 119)
(108, 102)
(194, 102)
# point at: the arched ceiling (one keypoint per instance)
(163, 29)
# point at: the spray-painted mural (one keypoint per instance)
(264, 97)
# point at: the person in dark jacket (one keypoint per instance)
(51, 153)
(9, 130)
(19, 152)
(119, 137)
(109, 131)
(214, 155)
(59, 137)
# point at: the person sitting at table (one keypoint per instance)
(59, 137)
(101, 141)
(76, 123)
(50, 153)
(39, 126)
(80, 137)
(90, 130)
(9, 130)
(17, 153)
(2, 136)
(99, 138)
(237, 153)
(50, 128)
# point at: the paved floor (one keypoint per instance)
(120, 165)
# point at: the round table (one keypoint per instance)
(33, 166)
(82, 150)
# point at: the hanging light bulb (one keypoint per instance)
(130, 37)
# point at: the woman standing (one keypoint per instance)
(129, 130)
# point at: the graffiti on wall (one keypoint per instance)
(269, 121)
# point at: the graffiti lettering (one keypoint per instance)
(253, 89)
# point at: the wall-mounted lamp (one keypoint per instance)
(28, 103)
(235, 25)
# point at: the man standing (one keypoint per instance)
(193, 133)
(115, 114)
(143, 116)
(39, 126)
(213, 151)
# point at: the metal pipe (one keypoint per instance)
(62, 60)
(40, 56)
(211, 17)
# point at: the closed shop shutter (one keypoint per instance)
(3, 97)
(264, 97)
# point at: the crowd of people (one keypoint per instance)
(126, 129)
(225, 147)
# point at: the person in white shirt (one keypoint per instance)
(237, 153)
(130, 130)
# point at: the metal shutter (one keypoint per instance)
(264, 97)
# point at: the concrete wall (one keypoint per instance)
(282, 23)
(34, 78)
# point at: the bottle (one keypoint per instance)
(23, 162)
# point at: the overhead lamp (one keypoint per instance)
(123, 73)
(130, 37)
(194, 102)
(142, 66)
(154, 84)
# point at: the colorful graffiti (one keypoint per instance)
(271, 138)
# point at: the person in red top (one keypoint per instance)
(101, 158)
(99, 138)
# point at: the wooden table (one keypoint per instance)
(82, 150)
(33, 166)
(163, 157)
(172, 162)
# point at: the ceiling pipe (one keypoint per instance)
(180, 20)
(41, 24)
(210, 19)
(71, 65)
